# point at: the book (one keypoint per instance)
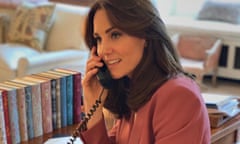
(69, 95)
(36, 105)
(53, 93)
(223, 103)
(58, 95)
(13, 112)
(63, 94)
(77, 93)
(21, 101)
(3, 139)
(4, 94)
(46, 101)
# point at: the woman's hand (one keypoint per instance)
(91, 86)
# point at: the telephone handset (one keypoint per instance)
(104, 77)
(106, 81)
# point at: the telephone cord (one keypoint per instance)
(83, 124)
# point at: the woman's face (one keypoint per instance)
(120, 51)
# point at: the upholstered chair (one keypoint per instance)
(199, 54)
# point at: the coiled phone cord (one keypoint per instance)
(83, 124)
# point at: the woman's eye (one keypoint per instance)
(115, 35)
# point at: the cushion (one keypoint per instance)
(67, 31)
(225, 11)
(31, 24)
(194, 47)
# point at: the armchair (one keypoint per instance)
(199, 54)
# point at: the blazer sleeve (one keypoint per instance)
(96, 134)
(180, 117)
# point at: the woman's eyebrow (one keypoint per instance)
(106, 31)
(109, 29)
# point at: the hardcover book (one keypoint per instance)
(63, 94)
(13, 113)
(3, 139)
(46, 101)
(58, 95)
(53, 93)
(21, 101)
(77, 93)
(36, 105)
(6, 115)
(69, 95)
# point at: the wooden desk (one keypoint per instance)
(225, 134)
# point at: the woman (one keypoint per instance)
(153, 99)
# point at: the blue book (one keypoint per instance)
(28, 91)
(63, 95)
(69, 90)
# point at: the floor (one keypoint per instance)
(224, 86)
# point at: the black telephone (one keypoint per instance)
(106, 81)
(104, 77)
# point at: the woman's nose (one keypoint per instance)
(104, 49)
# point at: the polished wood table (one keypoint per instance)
(225, 134)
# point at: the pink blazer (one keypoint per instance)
(176, 114)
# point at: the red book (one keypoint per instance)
(6, 115)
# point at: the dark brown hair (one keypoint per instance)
(160, 62)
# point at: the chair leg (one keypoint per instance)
(214, 78)
(200, 82)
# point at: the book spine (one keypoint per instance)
(13, 116)
(58, 103)
(29, 112)
(54, 102)
(6, 117)
(37, 110)
(69, 99)
(22, 114)
(3, 139)
(77, 98)
(46, 107)
(63, 96)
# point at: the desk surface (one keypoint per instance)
(217, 133)
(227, 128)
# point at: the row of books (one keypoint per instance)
(37, 104)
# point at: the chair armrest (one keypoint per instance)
(213, 54)
(50, 60)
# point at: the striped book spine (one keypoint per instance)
(28, 98)
(21, 109)
(3, 139)
(77, 93)
(36, 105)
(46, 101)
(6, 116)
(13, 113)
